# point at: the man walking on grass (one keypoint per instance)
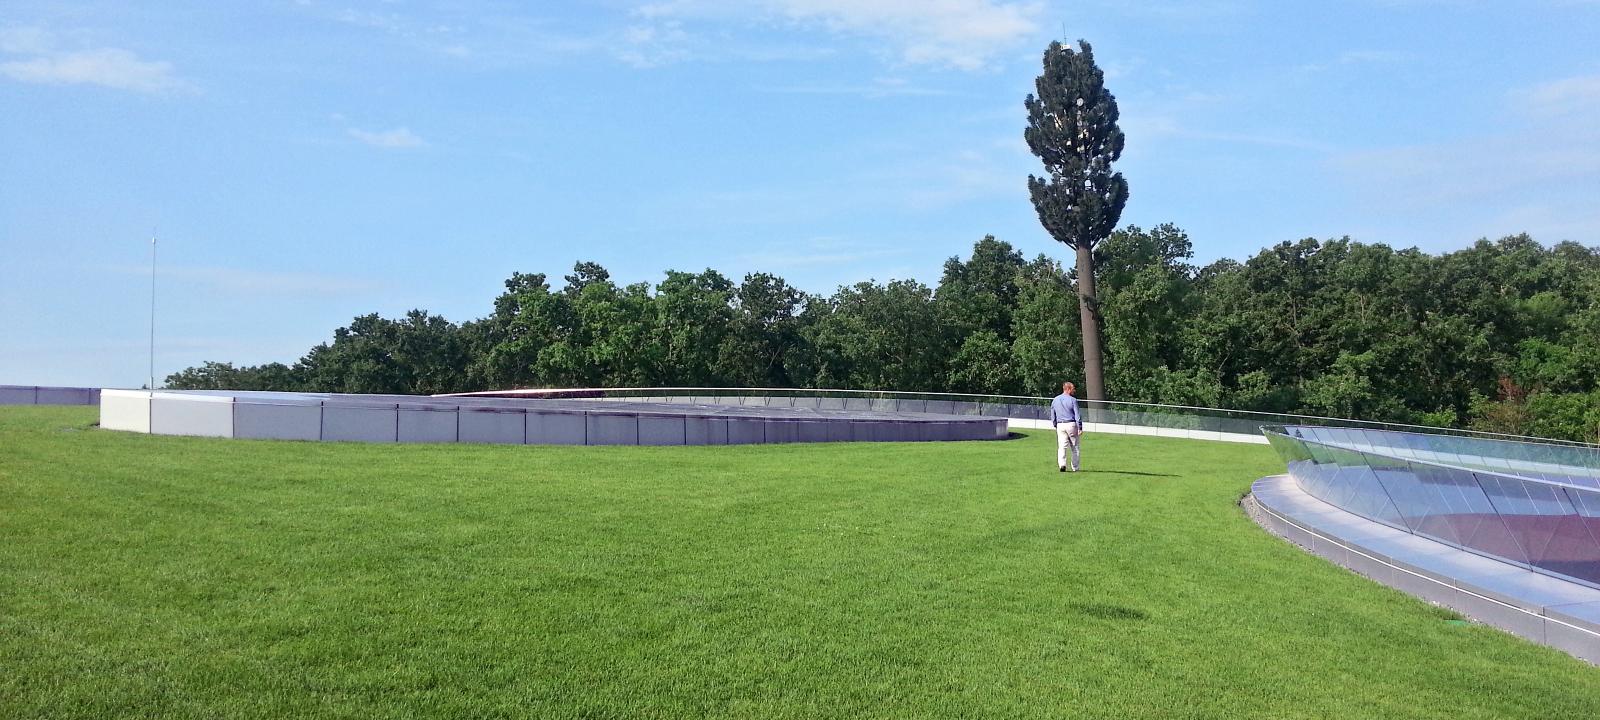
(1068, 422)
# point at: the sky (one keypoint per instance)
(305, 162)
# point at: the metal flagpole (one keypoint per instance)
(152, 385)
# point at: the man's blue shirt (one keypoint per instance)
(1065, 409)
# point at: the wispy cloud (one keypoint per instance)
(962, 34)
(485, 36)
(1550, 138)
(257, 282)
(1151, 127)
(1359, 57)
(398, 138)
(654, 44)
(879, 88)
(1567, 96)
(1539, 174)
(815, 252)
(34, 56)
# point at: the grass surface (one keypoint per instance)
(145, 576)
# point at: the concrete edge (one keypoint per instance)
(1561, 632)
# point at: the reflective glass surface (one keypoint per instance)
(1533, 505)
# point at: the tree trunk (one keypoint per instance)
(1094, 379)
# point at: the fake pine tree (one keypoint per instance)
(1072, 128)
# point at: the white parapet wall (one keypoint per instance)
(188, 414)
(1089, 428)
(125, 410)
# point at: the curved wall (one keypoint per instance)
(1529, 504)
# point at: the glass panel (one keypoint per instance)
(1570, 548)
(1372, 495)
(1492, 535)
(1399, 480)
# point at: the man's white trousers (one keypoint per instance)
(1067, 436)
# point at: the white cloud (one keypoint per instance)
(963, 34)
(39, 60)
(397, 138)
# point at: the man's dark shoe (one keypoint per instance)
(1062, 469)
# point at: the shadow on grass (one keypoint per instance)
(1129, 472)
(1109, 612)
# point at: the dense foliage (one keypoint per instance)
(1504, 335)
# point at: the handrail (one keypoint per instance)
(1281, 432)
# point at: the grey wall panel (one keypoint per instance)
(746, 431)
(64, 396)
(942, 407)
(782, 431)
(830, 403)
(427, 426)
(490, 426)
(806, 402)
(857, 404)
(48, 395)
(705, 431)
(811, 431)
(547, 428)
(277, 422)
(661, 430)
(361, 424)
(883, 405)
(190, 416)
(909, 405)
(613, 429)
(704, 400)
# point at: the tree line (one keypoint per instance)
(1501, 336)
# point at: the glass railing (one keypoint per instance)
(1176, 417)
(1532, 504)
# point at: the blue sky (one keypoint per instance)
(306, 162)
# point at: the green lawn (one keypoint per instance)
(147, 576)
